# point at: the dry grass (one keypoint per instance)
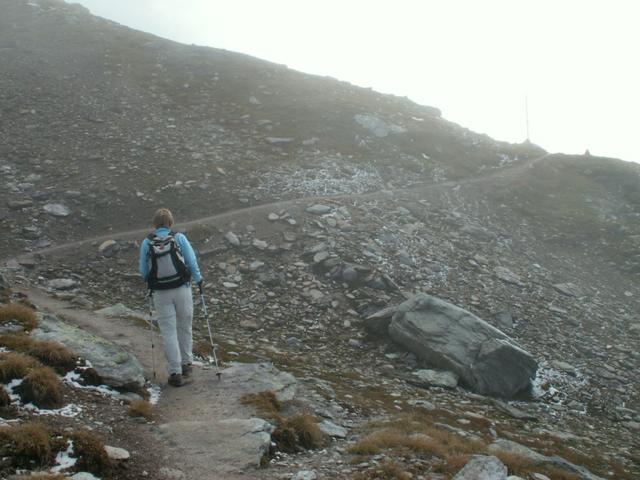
(42, 387)
(53, 354)
(16, 365)
(142, 408)
(5, 400)
(90, 376)
(27, 445)
(91, 454)
(266, 403)
(16, 341)
(298, 432)
(517, 464)
(48, 352)
(15, 313)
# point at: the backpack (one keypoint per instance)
(168, 269)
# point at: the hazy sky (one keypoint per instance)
(577, 61)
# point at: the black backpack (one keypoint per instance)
(168, 269)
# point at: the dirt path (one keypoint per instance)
(258, 212)
(200, 423)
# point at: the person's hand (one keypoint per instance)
(200, 285)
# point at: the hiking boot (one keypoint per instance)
(175, 380)
(187, 369)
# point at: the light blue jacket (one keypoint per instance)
(185, 247)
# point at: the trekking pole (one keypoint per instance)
(153, 353)
(206, 316)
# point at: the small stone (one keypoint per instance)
(232, 239)
(62, 283)
(319, 209)
(273, 217)
(305, 475)
(332, 429)
(117, 454)
(439, 378)
(57, 210)
(260, 244)
(106, 246)
(320, 257)
(230, 285)
(83, 476)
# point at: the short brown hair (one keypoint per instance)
(162, 218)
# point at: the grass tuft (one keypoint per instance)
(266, 403)
(91, 454)
(16, 365)
(15, 313)
(142, 408)
(42, 387)
(53, 354)
(90, 376)
(5, 400)
(16, 341)
(42, 476)
(298, 431)
(26, 445)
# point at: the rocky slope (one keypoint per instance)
(377, 199)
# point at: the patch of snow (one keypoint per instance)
(154, 393)
(71, 378)
(64, 459)
(71, 410)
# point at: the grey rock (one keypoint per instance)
(261, 377)
(319, 209)
(117, 367)
(108, 248)
(245, 440)
(232, 239)
(422, 404)
(83, 476)
(438, 378)
(259, 244)
(332, 429)
(451, 338)
(515, 448)
(320, 257)
(19, 204)
(377, 126)
(4, 283)
(504, 320)
(62, 283)
(305, 475)
(349, 274)
(57, 209)
(508, 276)
(117, 454)
(569, 289)
(279, 140)
(482, 467)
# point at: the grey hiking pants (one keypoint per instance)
(174, 310)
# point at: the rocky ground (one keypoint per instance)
(313, 205)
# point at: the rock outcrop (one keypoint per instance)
(451, 338)
(116, 367)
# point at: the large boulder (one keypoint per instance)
(450, 338)
(116, 367)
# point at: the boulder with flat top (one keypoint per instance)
(450, 338)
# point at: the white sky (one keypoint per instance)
(578, 61)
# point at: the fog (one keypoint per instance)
(575, 61)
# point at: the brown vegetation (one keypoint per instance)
(90, 376)
(266, 403)
(42, 387)
(142, 408)
(5, 400)
(48, 352)
(53, 354)
(15, 313)
(91, 454)
(300, 430)
(16, 365)
(26, 445)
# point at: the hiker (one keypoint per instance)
(167, 264)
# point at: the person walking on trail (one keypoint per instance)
(168, 264)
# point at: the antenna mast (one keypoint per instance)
(526, 113)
